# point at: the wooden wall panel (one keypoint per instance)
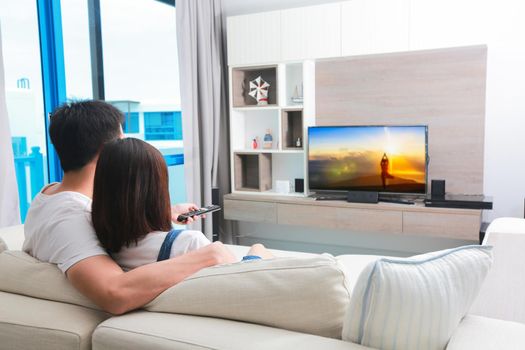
(444, 89)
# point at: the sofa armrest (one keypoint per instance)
(501, 295)
(482, 333)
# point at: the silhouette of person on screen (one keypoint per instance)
(384, 170)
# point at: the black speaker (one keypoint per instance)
(299, 185)
(438, 188)
(362, 197)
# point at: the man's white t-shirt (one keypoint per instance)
(58, 229)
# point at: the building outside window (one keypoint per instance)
(131, 123)
(163, 125)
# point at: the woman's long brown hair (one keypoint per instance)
(130, 194)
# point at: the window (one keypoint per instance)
(77, 56)
(141, 77)
(140, 74)
(24, 94)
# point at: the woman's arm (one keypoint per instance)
(100, 279)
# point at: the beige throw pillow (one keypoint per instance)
(20, 273)
(306, 295)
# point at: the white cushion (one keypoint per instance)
(501, 295)
(415, 303)
(30, 323)
(162, 331)
(506, 225)
(20, 273)
(13, 236)
(301, 294)
(3, 245)
(482, 333)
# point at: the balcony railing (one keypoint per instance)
(32, 164)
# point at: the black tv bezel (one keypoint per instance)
(319, 190)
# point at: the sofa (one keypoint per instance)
(496, 319)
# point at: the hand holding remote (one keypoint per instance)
(184, 218)
(183, 208)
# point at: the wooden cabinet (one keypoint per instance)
(254, 38)
(352, 219)
(451, 225)
(311, 32)
(374, 26)
(447, 23)
(387, 218)
(355, 27)
(253, 211)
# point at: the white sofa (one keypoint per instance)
(496, 320)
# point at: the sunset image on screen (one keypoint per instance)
(372, 158)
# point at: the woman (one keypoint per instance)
(131, 210)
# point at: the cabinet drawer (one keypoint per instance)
(250, 211)
(351, 219)
(459, 226)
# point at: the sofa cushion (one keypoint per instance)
(29, 323)
(415, 303)
(151, 330)
(301, 294)
(13, 236)
(20, 273)
(3, 245)
(482, 333)
(501, 295)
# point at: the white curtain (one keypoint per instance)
(203, 101)
(9, 208)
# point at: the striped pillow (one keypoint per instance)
(417, 302)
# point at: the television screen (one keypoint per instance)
(368, 158)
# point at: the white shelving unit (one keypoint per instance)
(286, 120)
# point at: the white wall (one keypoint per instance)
(501, 24)
(505, 114)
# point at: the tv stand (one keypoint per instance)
(389, 218)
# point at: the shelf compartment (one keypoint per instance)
(241, 78)
(249, 124)
(294, 83)
(253, 171)
(292, 128)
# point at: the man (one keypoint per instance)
(58, 225)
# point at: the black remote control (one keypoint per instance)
(208, 209)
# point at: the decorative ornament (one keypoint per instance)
(268, 139)
(259, 91)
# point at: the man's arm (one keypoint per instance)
(100, 279)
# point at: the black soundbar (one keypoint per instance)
(459, 201)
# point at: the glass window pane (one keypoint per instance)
(141, 77)
(25, 107)
(77, 57)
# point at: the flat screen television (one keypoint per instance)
(386, 159)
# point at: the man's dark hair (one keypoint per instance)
(130, 195)
(79, 130)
